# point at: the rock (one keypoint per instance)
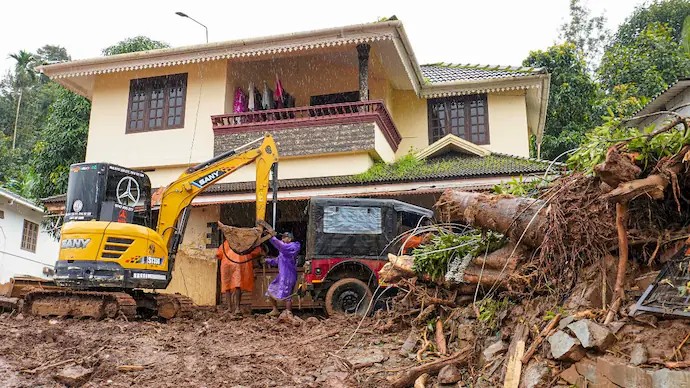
(565, 347)
(409, 344)
(615, 327)
(638, 355)
(588, 369)
(571, 376)
(73, 376)
(537, 374)
(19, 317)
(313, 321)
(670, 378)
(449, 375)
(372, 356)
(337, 380)
(53, 322)
(493, 351)
(592, 335)
(622, 375)
(563, 323)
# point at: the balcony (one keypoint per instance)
(309, 130)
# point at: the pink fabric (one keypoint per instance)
(240, 104)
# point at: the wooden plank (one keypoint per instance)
(516, 351)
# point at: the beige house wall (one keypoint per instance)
(108, 141)
(289, 168)
(508, 131)
(196, 267)
(410, 116)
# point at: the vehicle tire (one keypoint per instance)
(348, 296)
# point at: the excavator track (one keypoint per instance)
(80, 304)
(174, 306)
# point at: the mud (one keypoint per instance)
(210, 350)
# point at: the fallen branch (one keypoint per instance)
(621, 227)
(130, 368)
(516, 351)
(322, 336)
(408, 377)
(440, 338)
(540, 338)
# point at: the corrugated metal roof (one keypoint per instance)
(658, 102)
(442, 72)
(18, 198)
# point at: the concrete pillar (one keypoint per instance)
(363, 55)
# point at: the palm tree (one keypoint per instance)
(24, 76)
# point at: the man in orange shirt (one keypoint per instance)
(236, 275)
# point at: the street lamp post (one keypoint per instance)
(184, 15)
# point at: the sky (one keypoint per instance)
(496, 32)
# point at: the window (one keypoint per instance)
(156, 103)
(29, 236)
(463, 116)
(2, 214)
(352, 220)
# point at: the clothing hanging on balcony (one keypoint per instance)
(240, 103)
(278, 96)
(251, 100)
(267, 97)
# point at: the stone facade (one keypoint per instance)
(311, 140)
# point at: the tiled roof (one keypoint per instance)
(437, 169)
(442, 168)
(448, 72)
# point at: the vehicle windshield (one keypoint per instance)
(82, 193)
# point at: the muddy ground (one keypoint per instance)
(210, 350)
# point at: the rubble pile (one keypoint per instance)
(567, 299)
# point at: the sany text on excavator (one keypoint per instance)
(109, 252)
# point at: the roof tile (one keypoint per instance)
(443, 72)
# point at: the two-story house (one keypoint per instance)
(337, 100)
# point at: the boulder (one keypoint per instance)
(73, 376)
(563, 323)
(536, 375)
(592, 335)
(493, 351)
(638, 355)
(449, 375)
(670, 378)
(565, 347)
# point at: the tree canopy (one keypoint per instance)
(137, 43)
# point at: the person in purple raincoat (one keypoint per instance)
(281, 287)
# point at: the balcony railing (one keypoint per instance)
(306, 116)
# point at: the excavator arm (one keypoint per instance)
(177, 197)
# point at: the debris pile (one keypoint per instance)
(543, 288)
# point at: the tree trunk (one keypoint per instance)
(521, 219)
(16, 120)
(617, 168)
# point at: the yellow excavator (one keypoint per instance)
(109, 251)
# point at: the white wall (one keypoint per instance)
(13, 259)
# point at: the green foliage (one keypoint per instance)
(588, 33)
(648, 151)
(669, 12)
(648, 64)
(433, 258)
(400, 168)
(490, 311)
(137, 43)
(572, 98)
(519, 187)
(62, 143)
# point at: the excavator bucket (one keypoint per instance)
(242, 240)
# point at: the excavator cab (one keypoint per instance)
(107, 192)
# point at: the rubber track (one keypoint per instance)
(127, 306)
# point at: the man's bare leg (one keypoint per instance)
(226, 300)
(236, 297)
(288, 305)
(274, 312)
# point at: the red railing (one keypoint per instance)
(306, 116)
